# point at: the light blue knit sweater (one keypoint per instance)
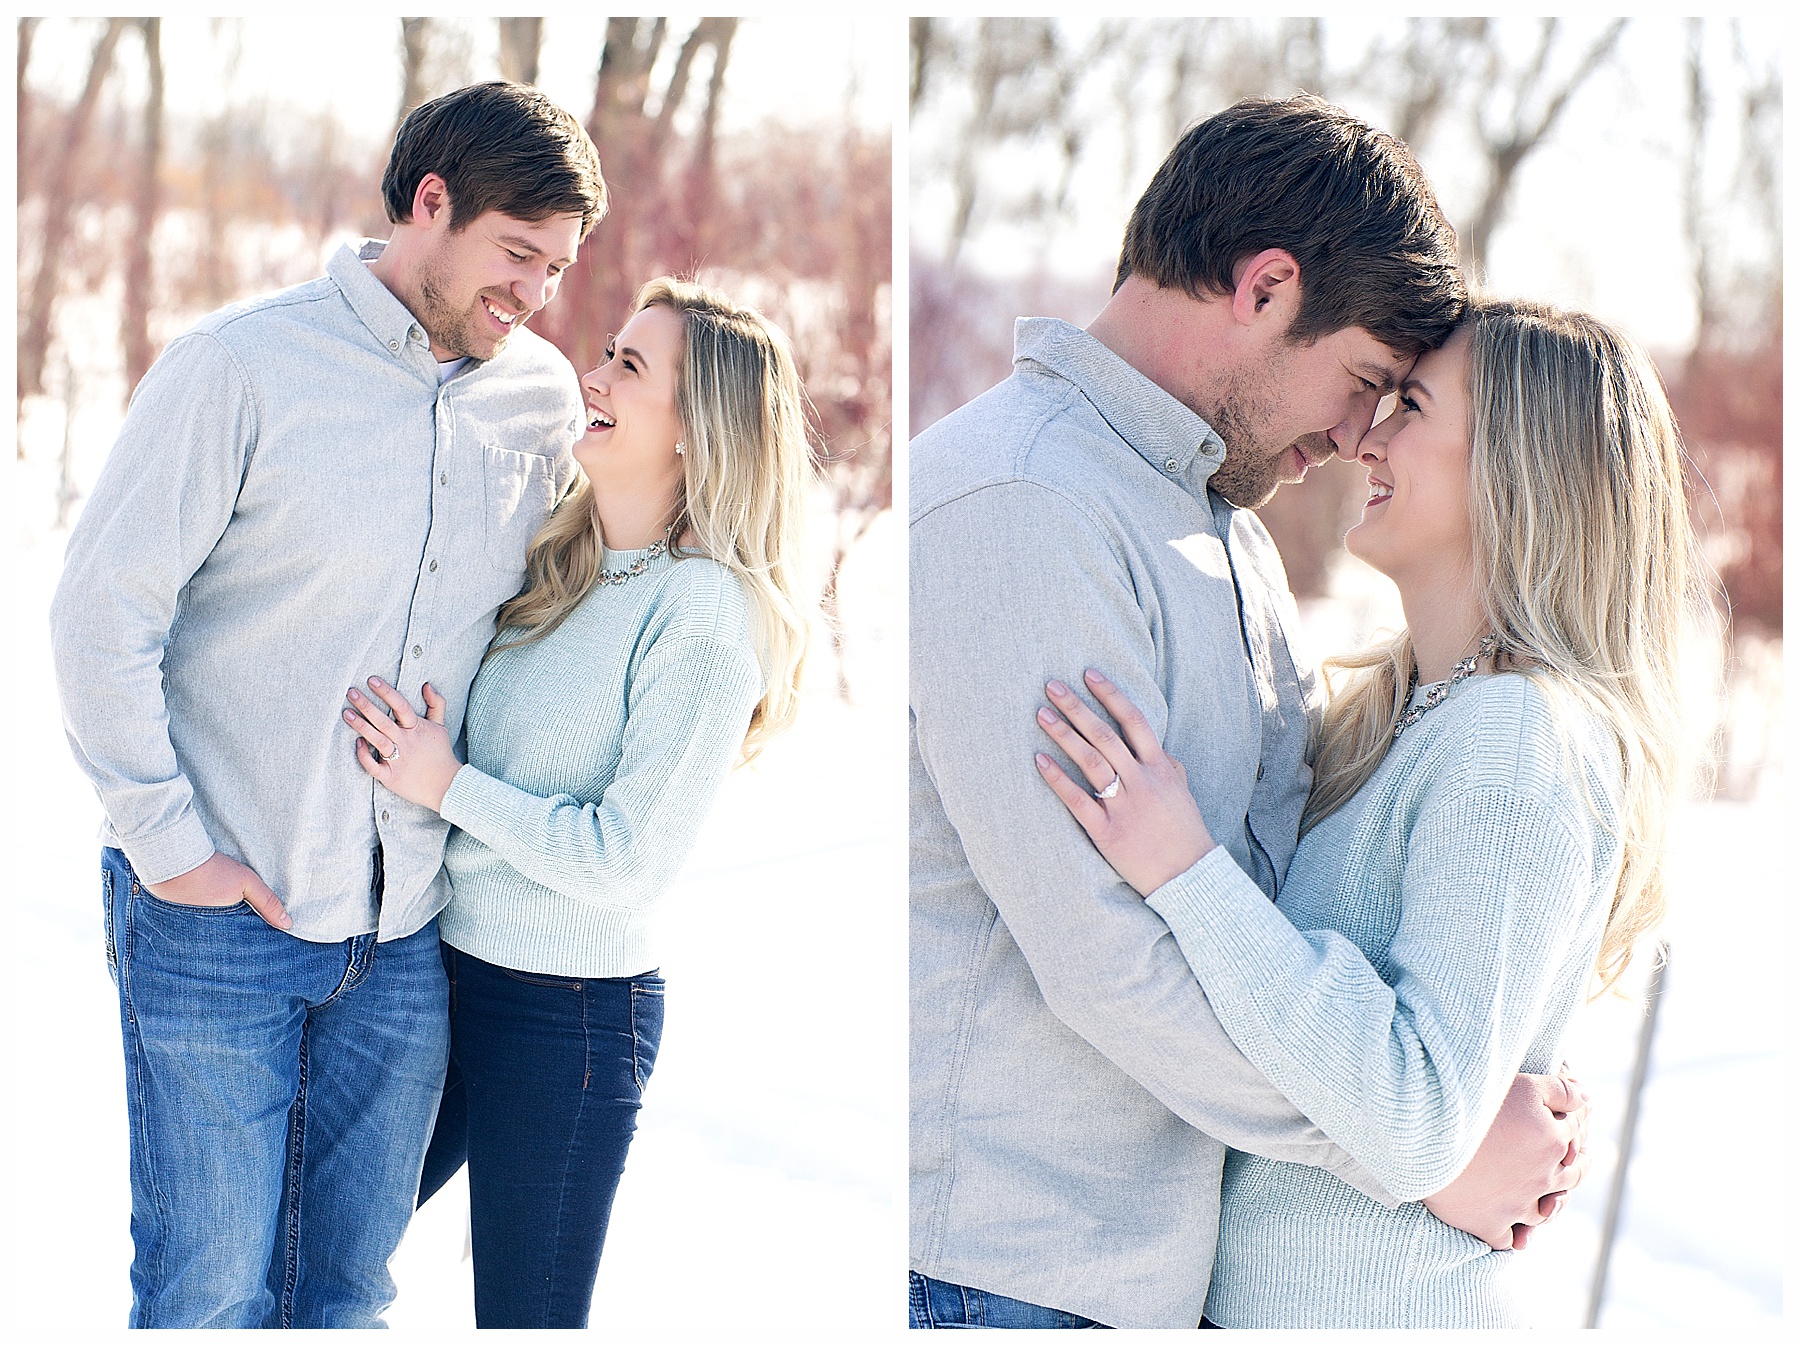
(593, 756)
(1432, 939)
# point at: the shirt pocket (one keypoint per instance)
(519, 489)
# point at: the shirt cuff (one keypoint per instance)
(164, 855)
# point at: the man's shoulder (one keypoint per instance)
(1033, 428)
(249, 319)
(527, 353)
(529, 369)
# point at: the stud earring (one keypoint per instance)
(681, 446)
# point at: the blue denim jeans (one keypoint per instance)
(546, 1077)
(280, 1095)
(935, 1303)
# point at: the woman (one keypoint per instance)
(660, 632)
(1474, 848)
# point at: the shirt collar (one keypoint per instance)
(377, 306)
(1172, 438)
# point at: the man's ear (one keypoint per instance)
(431, 199)
(1268, 288)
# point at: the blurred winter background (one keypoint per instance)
(1630, 168)
(166, 167)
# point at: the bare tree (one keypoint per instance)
(1727, 391)
(138, 351)
(520, 42)
(415, 44)
(27, 31)
(652, 184)
(1423, 76)
(1532, 101)
(700, 175)
(1023, 79)
(919, 34)
(61, 197)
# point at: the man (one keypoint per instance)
(1071, 1089)
(323, 484)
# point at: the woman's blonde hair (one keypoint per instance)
(1587, 571)
(746, 466)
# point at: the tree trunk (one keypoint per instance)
(27, 30)
(138, 351)
(415, 40)
(700, 174)
(597, 290)
(59, 205)
(919, 30)
(1693, 195)
(520, 42)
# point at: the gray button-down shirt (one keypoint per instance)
(295, 503)
(1070, 1085)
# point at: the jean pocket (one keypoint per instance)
(544, 979)
(238, 908)
(646, 1025)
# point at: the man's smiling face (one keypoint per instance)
(477, 284)
(1298, 407)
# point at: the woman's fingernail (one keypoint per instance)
(1043, 761)
(1046, 717)
(1097, 679)
(1056, 688)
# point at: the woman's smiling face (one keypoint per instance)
(633, 426)
(1415, 524)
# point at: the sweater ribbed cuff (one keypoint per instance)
(479, 804)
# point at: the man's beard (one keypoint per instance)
(1250, 470)
(450, 328)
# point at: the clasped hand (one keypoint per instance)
(416, 759)
(1150, 829)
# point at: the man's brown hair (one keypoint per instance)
(497, 146)
(1350, 204)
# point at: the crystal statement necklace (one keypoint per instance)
(1437, 691)
(639, 566)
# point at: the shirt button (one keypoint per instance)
(443, 479)
(384, 815)
(434, 566)
(393, 345)
(416, 334)
(1173, 465)
(417, 651)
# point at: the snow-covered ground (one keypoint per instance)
(771, 1147)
